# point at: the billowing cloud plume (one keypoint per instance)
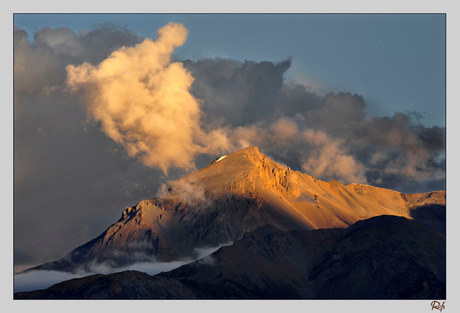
(143, 102)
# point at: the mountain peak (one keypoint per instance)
(251, 153)
(249, 150)
(247, 172)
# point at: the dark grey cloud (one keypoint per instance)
(241, 93)
(338, 113)
(39, 68)
(434, 138)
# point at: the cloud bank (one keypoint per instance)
(40, 279)
(329, 137)
(165, 117)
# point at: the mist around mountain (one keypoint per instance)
(293, 237)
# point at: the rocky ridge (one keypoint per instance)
(233, 196)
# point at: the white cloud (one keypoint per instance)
(40, 279)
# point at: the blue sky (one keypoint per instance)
(395, 61)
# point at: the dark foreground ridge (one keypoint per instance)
(384, 257)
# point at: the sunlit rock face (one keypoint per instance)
(232, 196)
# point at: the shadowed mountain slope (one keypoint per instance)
(385, 257)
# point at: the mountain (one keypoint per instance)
(384, 257)
(233, 196)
